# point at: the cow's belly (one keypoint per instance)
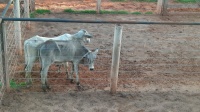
(63, 59)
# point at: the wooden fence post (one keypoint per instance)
(32, 8)
(98, 7)
(115, 58)
(4, 55)
(162, 7)
(17, 26)
(27, 12)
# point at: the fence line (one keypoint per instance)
(111, 22)
(8, 50)
(98, 21)
(12, 57)
(164, 5)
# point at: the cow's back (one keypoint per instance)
(65, 36)
(34, 41)
(73, 49)
(63, 50)
(37, 40)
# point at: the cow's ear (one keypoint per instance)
(88, 35)
(96, 50)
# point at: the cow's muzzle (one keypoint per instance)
(91, 69)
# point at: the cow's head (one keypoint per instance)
(90, 57)
(84, 35)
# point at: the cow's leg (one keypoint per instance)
(59, 67)
(43, 74)
(77, 76)
(30, 57)
(70, 74)
(66, 68)
(28, 69)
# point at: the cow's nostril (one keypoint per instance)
(91, 69)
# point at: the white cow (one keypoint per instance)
(31, 48)
(53, 51)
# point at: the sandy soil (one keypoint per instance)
(60, 5)
(159, 69)
(102, 101)
(129, 5)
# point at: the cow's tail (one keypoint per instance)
(39, 56)
(26, 55)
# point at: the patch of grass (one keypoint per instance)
(144, 0)
(39, 11)
(136, 13)
(118, 0)
(0, 84)
(14, 85)
(113, 12)
(102, 12)
(186, 1)
(148, 13)
(87, 12)
(42, 11)
(69, 10)
(32, 15)
(94, 12)
(80, 11)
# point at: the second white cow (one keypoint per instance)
(31, 48)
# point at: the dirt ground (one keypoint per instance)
(60, 5)
(159, 68)
(129, 5)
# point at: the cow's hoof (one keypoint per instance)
(28, 84)
(48, 87)
(80, 88)
(44, 88)
(71, 81)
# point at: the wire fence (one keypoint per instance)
(2, 86)
(10, 62)
(150, 55)
(56, 78)
(146, 58)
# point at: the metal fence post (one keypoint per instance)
(4, 55)
(115, 58)
(17, 25)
